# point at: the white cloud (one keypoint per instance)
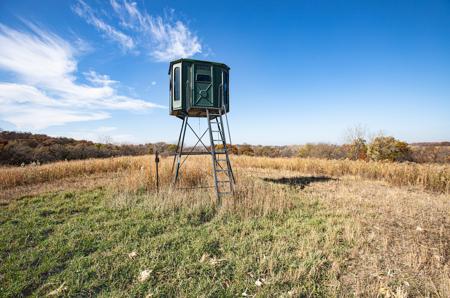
(38, 57)
(103, 129)
(172, 40)
(86, 12)
(164, 38)
(41, 117)
(98, 79)
(11, 93)
(129, 15)
(45, 91)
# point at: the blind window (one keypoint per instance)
(177, 84)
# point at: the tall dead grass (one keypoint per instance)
(433, 177)
(253, 197)
(16, 176)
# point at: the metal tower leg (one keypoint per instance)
(178, 145)
(179, 150)
(222, 173)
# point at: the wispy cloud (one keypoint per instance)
(163, 37)
(104, 129)
(35, 117)
(45, 90)
(172, 40)
(86, 12)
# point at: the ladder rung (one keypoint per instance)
(217, 160)
(223, 181)
(192, 153)
(224, 193)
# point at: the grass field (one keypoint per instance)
(296, 227)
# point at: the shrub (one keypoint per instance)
(246, 150)
(322, 150)
(357, 150)
(388, 149)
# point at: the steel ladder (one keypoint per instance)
(222, 172)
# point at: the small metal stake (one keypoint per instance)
(157, 173)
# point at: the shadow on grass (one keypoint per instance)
(301, 181)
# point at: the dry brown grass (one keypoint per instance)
(401, 237)
(253, 196)
(17, 176)
(396, 216)
(433, 177)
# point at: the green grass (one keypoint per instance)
(81, 241)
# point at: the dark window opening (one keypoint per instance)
(176, 82)
(170, 88)
(203, 78)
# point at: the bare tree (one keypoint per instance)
(356, 132)
(356, 142)
(105, 139)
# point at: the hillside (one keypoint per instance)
(18, 148)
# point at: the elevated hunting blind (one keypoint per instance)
(196, 86)
(201, 89)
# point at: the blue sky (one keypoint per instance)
(301, 71)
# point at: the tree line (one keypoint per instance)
(22, 148)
